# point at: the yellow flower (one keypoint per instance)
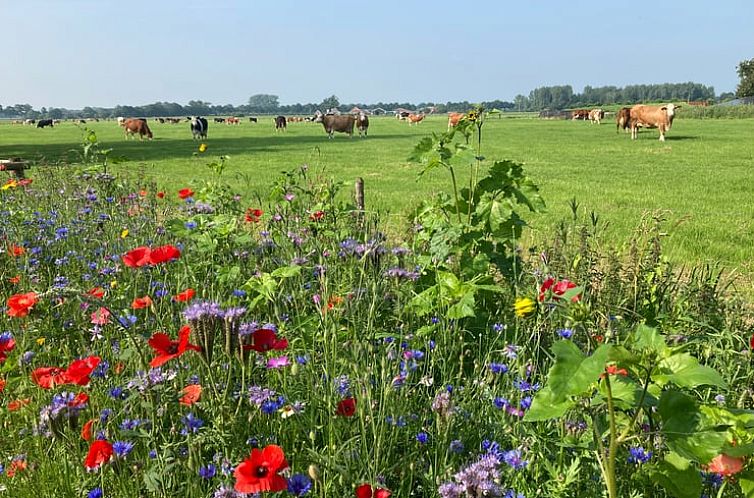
(124, 234)
(202, 147)
(524, 306)
(113, 284)
(9, 184)
(41, 341)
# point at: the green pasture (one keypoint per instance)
(701, 179)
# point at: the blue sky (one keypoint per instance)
(73, 53)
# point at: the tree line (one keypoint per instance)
(546, 97)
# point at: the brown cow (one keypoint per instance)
(362, 124)
(652, 116)
(341, 124)
(580, 114)
(138, 125)
(415, 118)
(454, 118)
(280, 123)
(623, 119)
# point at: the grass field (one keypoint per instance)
(702, 177)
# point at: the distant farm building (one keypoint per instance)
(554, 114)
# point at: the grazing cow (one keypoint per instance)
(133, 126)
(580, 114)
(121, 120)
(252, 120)
(30, 121)
(596, 116)
(44, 122)
(454, 118)
(232, 120)
(341, 124)
(362, 124)
(415, 119)
(623, 119)
(161, 120)
(652, 116)
(199, 127)
(219, 120)
(402, 115)
(280, 123)
(174, 120)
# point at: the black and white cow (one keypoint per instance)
(199, 128)
(44, 122)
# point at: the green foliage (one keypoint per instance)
(745, 71)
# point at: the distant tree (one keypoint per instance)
(746, 74)
(330, 102)
(263, 103)
(725, 96)
(55, 113)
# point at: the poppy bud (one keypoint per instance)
(314, 472)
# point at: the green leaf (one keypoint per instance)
(573, 374)
(678, 476)
(463, 308)
(684, 370)
(648, 338)
(545, 407)
(687, 430)
(746, 480)
(286, 271)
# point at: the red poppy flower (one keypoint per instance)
(96, 292)
(15, 280)
(17, 404)
(143, 193)
(141, 302)
(79, 400)
(317, 215)
(86, 431)
(2, 385)
(167, 350)
(614, 370)
(346, 407)
(17, 465)
(366, 491)
(160, 195)
(136, 258)
(259, 472)
(185, 193)
(264, 340)
(558, 288)
(725, 465)
(163, 254)
(253, 215)
(20, 304)
(191, 394)
(16, 250)
(48, 377)
(185, 296)
(100, 452)
(78, 371)
(7, 344)
(751, 342)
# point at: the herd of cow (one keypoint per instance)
(633, 118)
(627, 118)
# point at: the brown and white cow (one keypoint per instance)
(596, 116)
(652, 116)
(362, 124)
(137, 125)
(341, 124)
(414, 119)
(454, 118)
(232, 120)
(580, 114)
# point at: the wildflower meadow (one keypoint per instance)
(193, 342)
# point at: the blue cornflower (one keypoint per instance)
(152, 454)
(122, 448)
(526, 402)
(514, 460)
(105, 414)
(565, 333)
(95, 493)
(191, 423)
(456, 446)
(299, 485)
(190, 225)
(239, 293)
(501, 403)
(498, 368)
(422, 437)
(638, 455)
(117, 393)
(499, 327)
(208, 471)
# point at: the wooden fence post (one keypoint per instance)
(15, 166)
(359, 191)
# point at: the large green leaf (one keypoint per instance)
(573, 373)
(746, 480)
(688, 432)
(648, 338)
(545, 407)
(684, 370)
(678, 476)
